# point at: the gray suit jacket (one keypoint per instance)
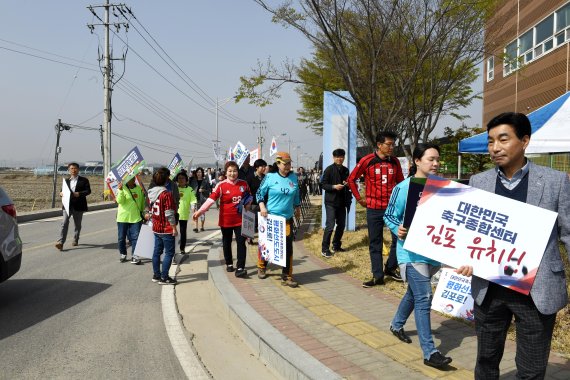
(549, 189)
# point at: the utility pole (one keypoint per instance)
(260, 140)
(217, 142)
(108, 71)
(59, 127)
(106, 98)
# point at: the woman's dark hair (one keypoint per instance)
(200, 169)
(161, 176)
(181, 174)
(230, 164)
(418, 153)
(273, 168)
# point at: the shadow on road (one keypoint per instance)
(24, 303)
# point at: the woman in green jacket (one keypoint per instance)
(131, 204)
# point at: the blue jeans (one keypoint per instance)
(130, 230)
(162, 242)
(417, 299)
(375, 222)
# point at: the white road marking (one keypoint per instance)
(183, 349)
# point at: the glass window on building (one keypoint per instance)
(490, 68)
(511, 61)
(563, 18)
(545, 29)
(525, 43)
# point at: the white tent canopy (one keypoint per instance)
(550, 130)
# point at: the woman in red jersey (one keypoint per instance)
(233, 194)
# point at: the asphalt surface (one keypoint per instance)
(80, 313)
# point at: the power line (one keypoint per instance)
(153, 145)
(47, 59)
(194, 86)
(162, 107)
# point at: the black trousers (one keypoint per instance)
(287, 271)
(227, 233)
(534, 334)
(334, 215)
(183, 230)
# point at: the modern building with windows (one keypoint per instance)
(528, 59)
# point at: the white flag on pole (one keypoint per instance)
(273, 147)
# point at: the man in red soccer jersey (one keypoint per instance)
(381, 173)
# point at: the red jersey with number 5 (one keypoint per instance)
(380, 178)
(230, 195)
(160, 223)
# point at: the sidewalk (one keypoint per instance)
(330, 327)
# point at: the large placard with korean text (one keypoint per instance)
(456, 224)
(129, 166)
(272, 232)
(175, 166)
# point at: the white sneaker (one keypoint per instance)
(123, 258)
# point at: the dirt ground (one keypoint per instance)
(32, 193)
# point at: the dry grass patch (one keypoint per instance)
(356, 263)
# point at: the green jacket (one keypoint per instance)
(131, 203)
(187, 198)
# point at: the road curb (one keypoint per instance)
(279, 352)
(53, 212)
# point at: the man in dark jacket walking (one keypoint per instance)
(337, 200)
(79, 188)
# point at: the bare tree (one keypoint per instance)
(405, 63)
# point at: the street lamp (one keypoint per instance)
(288, 142)
(297, 157)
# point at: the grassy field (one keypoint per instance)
(356, 263)
(31, 193)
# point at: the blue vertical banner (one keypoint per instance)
(339, 131)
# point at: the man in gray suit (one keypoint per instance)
(517, 178)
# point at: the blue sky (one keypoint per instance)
(214, 42)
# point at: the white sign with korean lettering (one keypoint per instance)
(456, 224)
(272, 231)
(453, 295)
(247, 224)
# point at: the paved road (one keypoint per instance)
(80, 313)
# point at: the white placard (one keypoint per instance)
(247, 224)
(66, 196)
(456, 224)
(453, 295)
(272, 238)
(253, 155)
(240, 153)
(145, 242)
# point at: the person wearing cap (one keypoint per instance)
(337, 195)
(278, 194)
